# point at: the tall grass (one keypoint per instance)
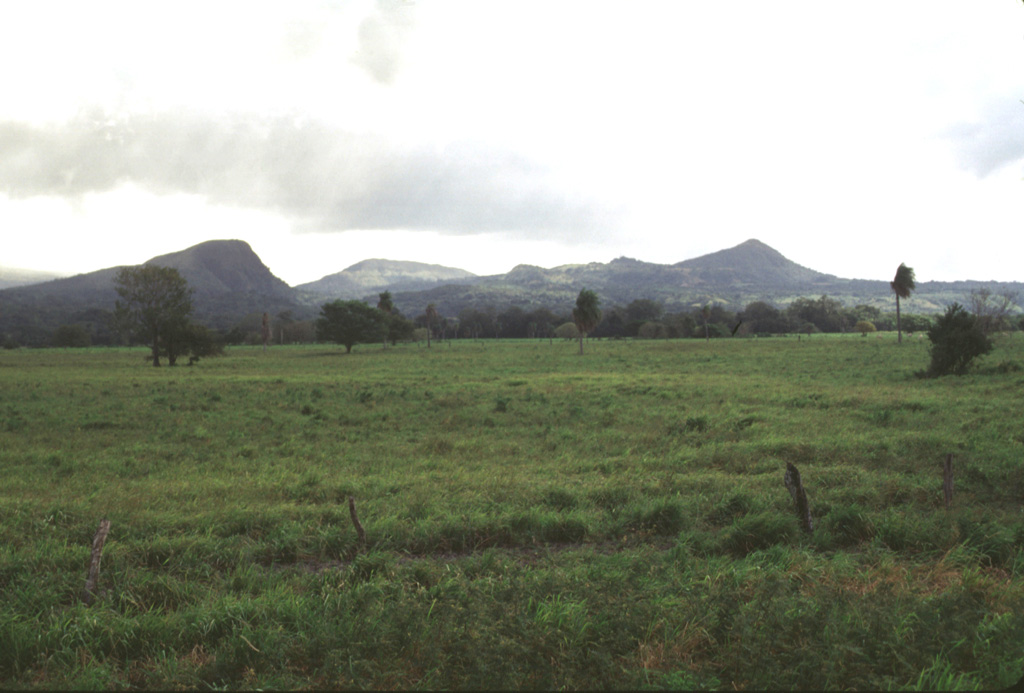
(535, 519)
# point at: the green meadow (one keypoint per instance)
(533, 518)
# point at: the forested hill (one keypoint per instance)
(224, 267)
(229, 281)
(378, 275)
(731, 278)
(233, 287)
(751, 263)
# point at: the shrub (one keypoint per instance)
(202, 341)
(567, 330)
(956, 341)
(864, 326)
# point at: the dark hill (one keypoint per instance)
(751, 263)
(222, 267)
(229, 282)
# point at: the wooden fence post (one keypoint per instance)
(89, 593)
(355, 521)
(796, 489)
(947, 479)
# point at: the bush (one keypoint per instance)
(956, 341)
(567, 331)
(202, 341)
(194, 341)
(917, 323)
(864, 326)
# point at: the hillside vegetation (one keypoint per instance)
(378, 275)
(533, 518)
(233, 288)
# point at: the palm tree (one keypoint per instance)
(586, 314)
(902, 285)
(385, 305)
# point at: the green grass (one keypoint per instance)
(534, 519)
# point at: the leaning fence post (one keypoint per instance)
(796, 489)
(947, 479)
(355, 521)
(89, 593)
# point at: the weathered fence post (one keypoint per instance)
(89, 593)
(796, 489)
(947, 479)
(355, 521)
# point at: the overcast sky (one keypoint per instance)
(484, 134)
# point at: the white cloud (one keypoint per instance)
(850, 137)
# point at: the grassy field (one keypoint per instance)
(534, 519)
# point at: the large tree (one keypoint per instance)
(826, 314)
(155, 304)
(764, 318)
(397, 327)
(902, 285)
(640, 312)
(350, 323)
(586, 314)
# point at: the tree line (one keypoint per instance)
(155, 303)
(355, 322)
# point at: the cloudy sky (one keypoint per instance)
(848, 136)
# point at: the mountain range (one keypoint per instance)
(232, 286)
